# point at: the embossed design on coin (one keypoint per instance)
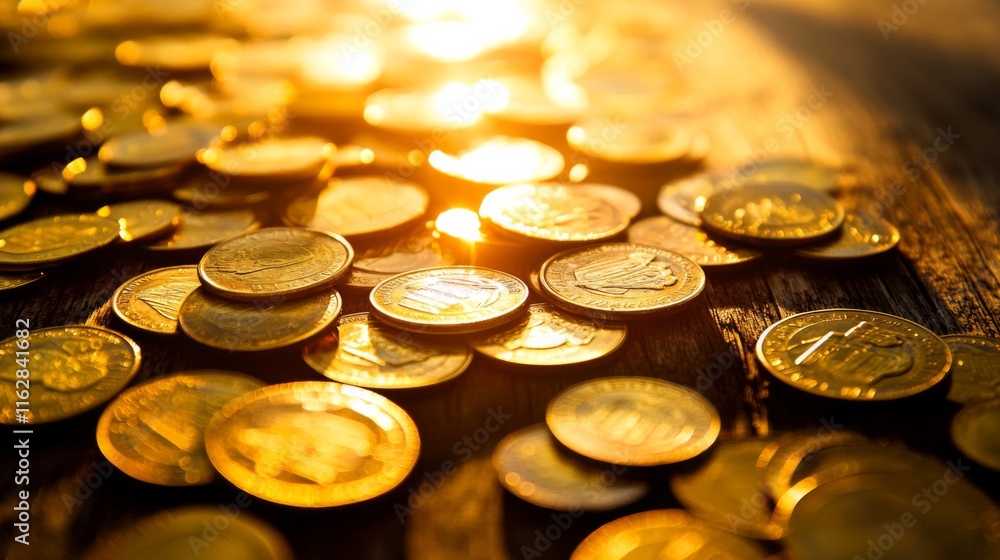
(975, 368)
(772, 214)
(360, 206)
(551, 212)
(375, 262)
(52, 240)
(152, 300)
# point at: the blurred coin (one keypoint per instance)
(12, 282)
(72, 370)
(532, 466)
(648, 140)
(275, 263)
(623, 199)
(772, 214)
(363, 352)
(313, 444)
(201, 230)
(49, 180)
(665, 534)
(377, 260)
(638, 421)
(173, 52)
(170, 145)
(277, 159)
(853, 354)
(152, 300)
(860, 236)
(548, 336)
(976, 432)
(252, 326)
(52, 240)
(143, 220)
(197, 193)
(690, 241)
(501, 160)
(684, 199)
(975, 368)
(16, 194)
(91, 178)
(620, 281)
(551, 212)
(799, 171)
(448, 299)
(155, 432)
(22, 135)
(359, 207)
(777, 465)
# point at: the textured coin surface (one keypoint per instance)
(175, 143)
(249, 326)
(548, 336)
(975, 368)
(275, 263)
(448, 299)
(313, 444)
(976, 432)
(377, 260)
(860, 236)
(360, 206)
(366, 353)
(665, 534)
(279, 159)
(617, 281)
(201, 230)
(155, 432)
(772, 214)
(16, 194)
(551, 212)
(531, 465)
(637, 421)
(690, 241)
(152, 300)
(143, 220)
(854, 354)
(52, 240)
(70, 370)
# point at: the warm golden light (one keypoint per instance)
(502, 160)
(336, 61)
(74, 168)
(92, 119)
(460, 223)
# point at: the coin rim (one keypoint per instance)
(120, 312)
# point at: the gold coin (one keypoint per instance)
(415, 111)
(143, 220)
(860, 236)
(975, 368)
(152, 300)
(664, 534)
(528, 103)
(377, 260)
(313, 444)
(49, 180)
(202, 194)
(807, 173)
(275, 263)
(183, 52)
(624, 200)
(366, 353)
(532, 466)
(155, 432)
(638, 421)
(250, 326)
(976, 432)
(70, 370)
(206, 533)
(15, 194)
(448, 299)
(618, 281)
(364, 206)
(92, 178)
(201, 230)
(547, 336)
(889, 516)
(13, 282)
(772, 214)
(777, 465)
(501, 160)
(279, 159)
(173, 144)
(684, 199)
(853, 354)
(53, 240)
(690, 241)
(22, 135)
(551, 212)
(648, 140)
(725, 490)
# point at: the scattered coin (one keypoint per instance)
(652, 139)
(143, 220)
(501, 160)
(92, 178)
(976, 432)
(16, 194)
(975, 368)
(151, 301)
(690, 241)
(279, 159)
(201, 230)
(860, 236)
(193, 51)
(551, 212)
(53, 240)
(170, 145)
(359, 207)
(777, 465)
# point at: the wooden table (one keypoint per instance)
(914, 112)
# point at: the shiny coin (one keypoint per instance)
(50, 181)
(772, 214)
(275, 263)
(975, 368)
(725, 490)
(377, 260)
(201, 230)
(52, 240)
(23, 135)
(501, 161)
(624, 200)
(72, 370)
(279, 159)
(665, 534)
(619, 281)
(13, 282)
(173, 52)
(366, 353)
(684, 199)
(143, 220)
(181, 533)
(551, 212)
(358, 207)
(448, 299)
(548, 336)
(173, 144)
(690, 241)
(155, 432)
(313, 444)
(92, 178)
(205, 194)
(853, 354)
(15, 194)
(637, 421)
(250, 326)
(649, 140)
(532, 466)
(152, 300)
(860, 236)
(777, 465)
(976, 432)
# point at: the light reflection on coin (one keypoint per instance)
(16, 194)
(279, 159)
(665, 233)
(370, 205)
(772, 214)
(143, 220)
(551, 212)
(152, 300)
(860, 236)
(173, 144)
(52, 240)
